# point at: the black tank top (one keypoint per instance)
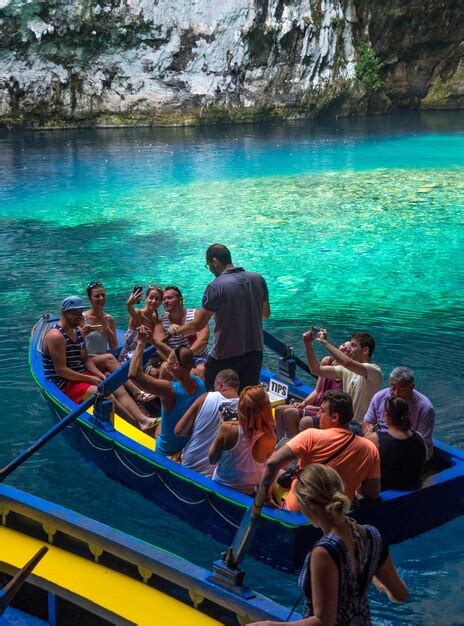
(401, 461)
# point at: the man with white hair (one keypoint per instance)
(421, 411)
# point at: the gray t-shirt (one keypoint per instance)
(236, 297)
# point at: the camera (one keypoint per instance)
(314, 331)
(228, 413)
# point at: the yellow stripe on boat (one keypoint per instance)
(125, 428)
(128, 598)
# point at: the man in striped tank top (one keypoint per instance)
(68, 365)
(176, 313)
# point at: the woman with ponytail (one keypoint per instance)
(402, 450)
(337, 572)
(242, 446)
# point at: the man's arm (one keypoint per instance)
(184, 426)
(217, 446)
(266, 310)
(322, 371)
(200, 343)
(344, 359)
(371, 418)
(425, 424)
(278, 460)
(370, 488)
(161, 388)
(201, 319)
(56, 346)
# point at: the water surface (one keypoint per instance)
(357, 225)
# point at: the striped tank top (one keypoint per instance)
(73, 357)
(175, 342)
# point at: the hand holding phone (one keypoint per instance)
(137, 291)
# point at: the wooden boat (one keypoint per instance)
(93, 574)
(283, 538)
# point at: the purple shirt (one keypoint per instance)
(421, 415)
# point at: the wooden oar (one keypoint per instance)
(279, 347)
(11, 589)
(105, 388)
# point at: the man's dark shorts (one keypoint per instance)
(247, 366)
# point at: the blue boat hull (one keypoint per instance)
(283, 538)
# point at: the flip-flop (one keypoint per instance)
(151, 424)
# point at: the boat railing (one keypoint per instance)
(63, 528)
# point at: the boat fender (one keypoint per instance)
(50, 531)
(96, 551)
(196, 598)
(145, 573)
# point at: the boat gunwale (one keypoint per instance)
(134, 551)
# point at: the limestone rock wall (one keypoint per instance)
(128, 62)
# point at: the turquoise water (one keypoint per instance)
(355, 224)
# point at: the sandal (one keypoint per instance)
(144, 397)
(151, 425)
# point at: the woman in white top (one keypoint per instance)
(99, 328)
(242, 446)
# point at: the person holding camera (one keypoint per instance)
(360, 378)
(147, 316)
(242, 446)
(202, 420)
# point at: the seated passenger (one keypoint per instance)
(201, 422)
(175, 314)
(176, 396)
(242, 446)
(360, 378)
(293, 418)
(421, 412)
(99, 328)
(353, 457)
(146, 316)
(402, 450)
(67, 363)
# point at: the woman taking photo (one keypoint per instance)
(337, 572)
(146, 316)
(242, 446)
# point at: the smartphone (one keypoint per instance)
(137, 290)
(96, 326)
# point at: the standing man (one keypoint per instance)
(360, 378)
(239, 300)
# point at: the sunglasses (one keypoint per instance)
(157, 287)
(96, 284)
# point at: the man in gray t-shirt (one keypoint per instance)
(239, 300)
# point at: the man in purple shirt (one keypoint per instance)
(421, 412)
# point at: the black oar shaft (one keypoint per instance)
(279, 347)
(54, 430)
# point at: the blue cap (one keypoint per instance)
(73, 303)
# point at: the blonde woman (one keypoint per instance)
(337, 572)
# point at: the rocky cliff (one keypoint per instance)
(130, 62)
